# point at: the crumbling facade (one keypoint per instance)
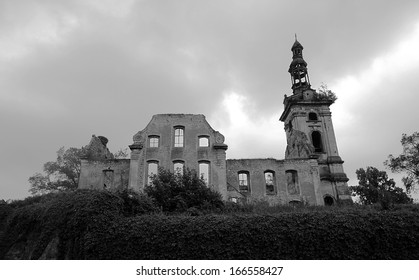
(312, 171)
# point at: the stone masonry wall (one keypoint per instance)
(108, 174)
(305, 191)
(166, 154)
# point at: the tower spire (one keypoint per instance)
(298, 68)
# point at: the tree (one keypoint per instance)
(375, 187)
(407, 161)
(180, 192)
(62, 174)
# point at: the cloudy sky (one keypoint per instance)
(70, 69)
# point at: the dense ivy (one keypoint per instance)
(320, 235)
(66, 216)
(106, 225)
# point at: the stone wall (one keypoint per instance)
(108, 174)
(305, 188)
(166, 153)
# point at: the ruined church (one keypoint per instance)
(311, 173)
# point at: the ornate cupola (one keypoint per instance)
(298, 69)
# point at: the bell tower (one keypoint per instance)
(309, 129)
(298, 68)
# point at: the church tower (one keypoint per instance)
(308, 124)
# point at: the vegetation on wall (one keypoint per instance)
(87, 224)
(324, 93)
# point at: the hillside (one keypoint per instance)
(105, 225)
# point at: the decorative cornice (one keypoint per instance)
(290, 102)
(334, 159)
(135, 147)
(220, 146)
(335, 177)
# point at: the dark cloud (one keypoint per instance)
(69, 69)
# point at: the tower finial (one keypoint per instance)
(295, 34)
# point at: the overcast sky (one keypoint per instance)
(70, 69)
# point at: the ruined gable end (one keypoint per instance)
(99, 168)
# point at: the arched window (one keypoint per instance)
(244, 181)
(316, 139)
(328, 200)
(204, 171)
(293, 186)
(153, 141)
(152, 169)
(312, 116)
(203, 141)
(178, 167)
(108, 177)
(270, 182)
(179, 136)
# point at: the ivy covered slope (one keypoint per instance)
(64, 225)
(124, 225)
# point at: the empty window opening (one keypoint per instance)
(108, 178)
(312, 116)
(178, 167)
(179, 133)
(316, 138)
(204, 171)
(243, 182)
(153, 141)
(328, 200)
(203, 141)
(292, 182)
(152, 170)
(269, 182)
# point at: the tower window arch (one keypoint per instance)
(328, 200)
(312, 116)
(316, 139)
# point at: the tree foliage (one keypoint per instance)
(407, 161)
(375, 187)
(324, 93)
(181, 192)
(59, 175)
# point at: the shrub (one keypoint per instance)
(179, 192)
(293, 235)
(135, 203)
